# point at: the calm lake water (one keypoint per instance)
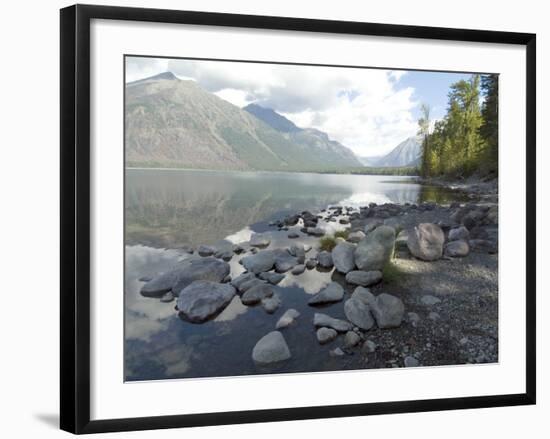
(166, 209)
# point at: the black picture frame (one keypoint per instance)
(75, 217)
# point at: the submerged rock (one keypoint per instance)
(256, 294)
(325, 335)
(204, 299)
(342, 257)
(364, 278)
(271, 348)
(284, 261)
(426, 242)
(287, 318)
(270, 304)
(320, 320)
(241, 279)
(387, 310)
(333, 292)
(376, 249)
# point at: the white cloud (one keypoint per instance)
(363, 109)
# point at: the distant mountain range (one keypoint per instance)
(175, 123)
(407, 153)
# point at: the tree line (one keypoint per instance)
(465, 141)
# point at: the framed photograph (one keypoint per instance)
(273, 218)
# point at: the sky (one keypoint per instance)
(368, 110)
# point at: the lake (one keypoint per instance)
(168, 209)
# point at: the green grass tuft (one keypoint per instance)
(342, 234)
(327, 243)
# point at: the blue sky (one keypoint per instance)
(431, 88)
(368, 110)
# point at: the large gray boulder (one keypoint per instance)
(206, 250)
(204, 299)
(342, 257)
(271, 348)
(241, 279)
(333, 292)
(376, 249)
(363, 294)
(323, 320)
(178, 278)
(358, 313)
(356, 236)
(260, 262)
(387, 310)
(426, 242)
(364, 278)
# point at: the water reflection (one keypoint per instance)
(170, 208)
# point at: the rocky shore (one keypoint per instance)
(417, 284)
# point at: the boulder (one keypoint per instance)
(284, 261)
(241, 279)
(255, 294)
(287, 318)
(325, 335)
(364, 278)
(459, 233)
(272, 277)
(299, 269)
(314, 231)
(351, 339)
(376, 249)
(206, 250)
(190, 270)
(371, 225)
(342, 257)
(411, 362)
(387, 310)
(457, 249)
(259, 240)
(333, 292)
(299, 252)
(260, 262)
(271, 348)
(363, 294)
(426, 242)
(324, 259)
(323, 320)
(311, 263)
(204, 299)
(355, 237)
(245, 286)
(358, 313)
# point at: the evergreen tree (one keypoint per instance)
(489, 127)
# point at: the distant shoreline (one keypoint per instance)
(353, 171)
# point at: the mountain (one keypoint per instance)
(407, 153)
(369, 161)
(175, 123)
(315, 142)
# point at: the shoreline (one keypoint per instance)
(450, 304)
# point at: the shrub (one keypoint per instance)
(342, 234)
